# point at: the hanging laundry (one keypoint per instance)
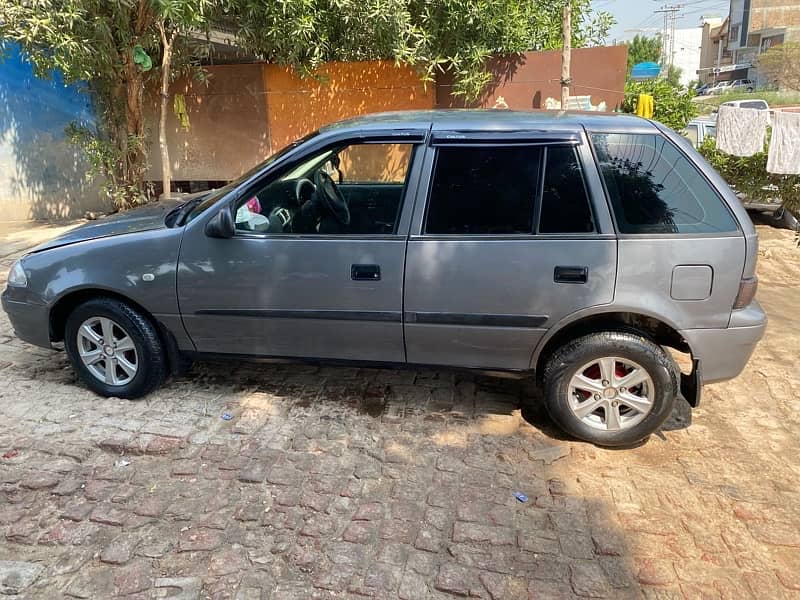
(784, 146)
(179, 107)
(645, 106)
(741, 131)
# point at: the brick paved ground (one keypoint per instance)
(349, 483)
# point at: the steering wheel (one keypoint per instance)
(331, 197)
(303, 190)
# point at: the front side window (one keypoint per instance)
(483, 190)
(654, 189)
(355, 189)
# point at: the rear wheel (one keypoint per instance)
(114, 349)
(610, 388)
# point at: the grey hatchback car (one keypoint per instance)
(574, 248)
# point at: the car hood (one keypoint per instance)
(148, 217)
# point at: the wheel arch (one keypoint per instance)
(654, 328)
(66, 303)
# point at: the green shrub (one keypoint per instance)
(672, 106)
(748, 175)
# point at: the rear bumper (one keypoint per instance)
(723, 353)
(31, 322)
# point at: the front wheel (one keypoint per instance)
(114, 349)
(610, 388)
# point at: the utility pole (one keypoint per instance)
(566, 52)
(670, 12)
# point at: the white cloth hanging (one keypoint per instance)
(741, 131)
(784, 146)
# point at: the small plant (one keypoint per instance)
(673, 107)
(748, 176)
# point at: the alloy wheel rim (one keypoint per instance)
(107, 351)
(611, 393)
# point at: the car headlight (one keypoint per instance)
(16, 276)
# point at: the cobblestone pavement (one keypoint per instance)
(350, 483)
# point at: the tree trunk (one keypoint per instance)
(166, 64)
(134, 161)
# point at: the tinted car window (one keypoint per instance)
(565, 205)
(655, 189)
(757, 104)
(483, 191)
(365, 181)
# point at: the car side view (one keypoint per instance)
(573, 248)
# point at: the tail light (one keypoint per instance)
(747, 291)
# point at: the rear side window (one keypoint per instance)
(565, 205)
(483, 190)
(654, 188)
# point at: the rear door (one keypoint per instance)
(506, 240)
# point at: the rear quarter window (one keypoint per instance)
(655, 189)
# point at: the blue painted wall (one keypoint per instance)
(42, 175)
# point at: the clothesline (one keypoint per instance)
(743, 132)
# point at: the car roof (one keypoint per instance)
(490, 120)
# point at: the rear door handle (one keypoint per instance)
(365, 272)
(571, 274)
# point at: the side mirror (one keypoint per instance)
(221, 225)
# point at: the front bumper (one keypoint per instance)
(31, 322)
(723, 353)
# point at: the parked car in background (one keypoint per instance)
(736, 85)
(702, 90)
(569, 247)
(697, 130)
(756, 103)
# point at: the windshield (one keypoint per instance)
(218, 193)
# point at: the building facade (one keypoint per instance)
(757, 25)
(687, 48)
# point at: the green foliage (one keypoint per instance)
(674, 75)
(781, 65)
(643, 49)
(94, 41)
(442, 35)
(748, 176)
(711, 103)
(672, 107)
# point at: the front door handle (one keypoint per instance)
(365, 272)
(571, 274)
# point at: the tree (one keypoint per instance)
(672, 107)
(674, 75)
(108, 43)
(454, 35)
(781, 65)
(643, 49)
(112, 44)
(175, 18)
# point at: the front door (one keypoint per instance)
(316, 266)
(505, 243)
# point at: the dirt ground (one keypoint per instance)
(352, 483)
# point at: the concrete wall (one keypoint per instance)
(245, 112)
(526, 81)
(42, 176)
(339, 90)
(228, 132)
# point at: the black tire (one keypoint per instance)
(562, 365)
(152, 357)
